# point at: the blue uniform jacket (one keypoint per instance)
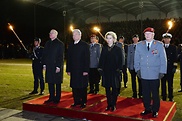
(152, 62)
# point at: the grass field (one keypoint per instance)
(16, 81)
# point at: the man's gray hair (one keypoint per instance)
(78, 31)
(55, 31)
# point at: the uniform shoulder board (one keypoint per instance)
(157, 42)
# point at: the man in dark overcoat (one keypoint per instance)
(77, 67)
(53, 63)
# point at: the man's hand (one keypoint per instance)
(100, 71)
(85, 73)
(68, 73)
(44, 67)
(57, 69)
(139, 74)
(161, 76)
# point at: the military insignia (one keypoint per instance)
(154, 51)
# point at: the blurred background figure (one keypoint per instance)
(124, 70)
(94, 76)
(130, 65)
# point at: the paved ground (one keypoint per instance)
(17, 115)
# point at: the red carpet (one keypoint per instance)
(128, 109)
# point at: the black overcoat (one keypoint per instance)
(53, 56)
(78, 57)
(110, 63)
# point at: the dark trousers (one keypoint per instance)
(94, 79)
(79, 95)
(38, 76)
(119, 89)
(181, 74)
(168, 78)
(151, 87)
(54, 91)
(133, 82)
(125, 75)
(111, 94)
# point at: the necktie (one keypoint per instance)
(148, 46)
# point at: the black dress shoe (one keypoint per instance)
(56, 101)
(33, 92)
(140, 97)
(145, 112)
(83, 106)
(74, 105)
(91, 92)
(107, 108)
(171, 100)
(113, 108)
(48, 101)
(155, 114)
(125, 86)
(164, 99)
(41, 93)
(134, 96)
(96, 92)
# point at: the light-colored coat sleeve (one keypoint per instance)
(163, 58)
(137, 59)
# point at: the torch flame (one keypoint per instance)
(97, 29)
(170, 23)
(71, 28)
(11, 27)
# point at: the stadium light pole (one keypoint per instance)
(141, 18)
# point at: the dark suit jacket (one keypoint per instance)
(53, 56)
(78, 58)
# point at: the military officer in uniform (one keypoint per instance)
(180, 59)
(150, 63)
(37, 67)
(130, 66)
(94, 76)
(171, 53)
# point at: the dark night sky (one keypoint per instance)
(21, 15)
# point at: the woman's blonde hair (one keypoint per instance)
(113, 34)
